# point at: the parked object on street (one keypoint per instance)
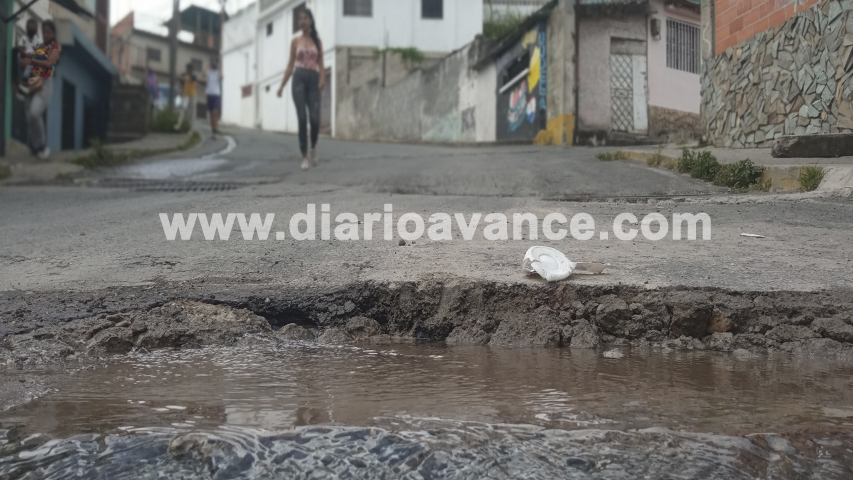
(751, 235)
(553, 266)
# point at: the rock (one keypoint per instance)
(462, 336)
(833, 328)
(113, 340)
(814, 146)
(177, 323)
(294, 332)
(541, 329)
(723, 342)
(333, 336)
(684, 343)
(820, 347)
(613, 315)
(790, 333)
(720, 323)
(691, 313)
(362, 327)
(584, 335)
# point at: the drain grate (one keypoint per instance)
(149, 185)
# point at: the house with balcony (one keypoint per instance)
(362, 41)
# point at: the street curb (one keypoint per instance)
(838, 179)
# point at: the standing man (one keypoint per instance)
(214, 95)
(153, 89)
(190, 83)
(26, 49)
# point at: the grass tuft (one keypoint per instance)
(5, 172)
(611, 156)
(811, 177)
(741, 176)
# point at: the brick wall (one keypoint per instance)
(738, 20)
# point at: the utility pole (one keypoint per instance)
(221, 34)
(173, 50)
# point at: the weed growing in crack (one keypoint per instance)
(610, 156)
(811, 177)
(740, 176)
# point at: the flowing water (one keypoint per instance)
(294, 410)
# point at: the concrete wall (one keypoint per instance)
(561, 74)
(794, 79)
(92, 86)
(594, 65)
(447, 102)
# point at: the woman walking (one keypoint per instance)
(306, 68)
(44, 61)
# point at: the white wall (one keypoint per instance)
(238, 67)
(400, 22)
(670, 88)
(486, 113)
(397, 20)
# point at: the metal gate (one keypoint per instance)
(622, 93)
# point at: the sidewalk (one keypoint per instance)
(783, 173)
(27, 169)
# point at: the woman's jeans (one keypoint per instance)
(36, 105)
(306, 96)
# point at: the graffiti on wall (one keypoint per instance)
(521, 102)
(517, 106)
(543, 60)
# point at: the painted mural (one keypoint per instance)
(521, 102)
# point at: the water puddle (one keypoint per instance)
(430, 411)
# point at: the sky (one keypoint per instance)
(158, 11)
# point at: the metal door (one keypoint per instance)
(621, 93)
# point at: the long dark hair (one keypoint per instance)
(314, 35)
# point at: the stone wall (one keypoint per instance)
(793, 79)
(665, 122)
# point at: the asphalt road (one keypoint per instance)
(79, 236)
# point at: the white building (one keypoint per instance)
(493, 9)
(256, 47)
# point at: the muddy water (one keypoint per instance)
(427, 411)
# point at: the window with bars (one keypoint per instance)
(152, 55)
(682, 46)
(358, 8)
(433, 9)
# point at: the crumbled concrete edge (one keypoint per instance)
(60, 327)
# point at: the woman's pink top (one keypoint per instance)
(307, 56)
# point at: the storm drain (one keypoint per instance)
(150, 185)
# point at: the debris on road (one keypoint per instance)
(615, 353)
(553, 266)
(751, 235)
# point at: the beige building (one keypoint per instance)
(134, 51)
